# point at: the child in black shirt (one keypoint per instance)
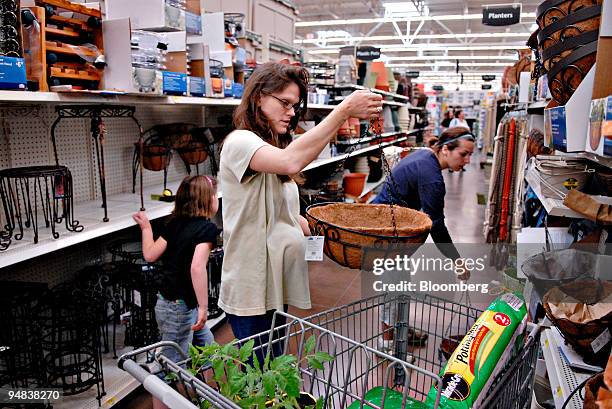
(184, 247)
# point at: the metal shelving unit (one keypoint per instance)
(563, 379)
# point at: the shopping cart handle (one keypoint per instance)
(156, 387)
(132, 354)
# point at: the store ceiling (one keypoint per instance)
(442, 39)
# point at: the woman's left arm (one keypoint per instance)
(304, 225)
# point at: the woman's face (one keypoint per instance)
(461, 115)
(460, 156)
(278, 108)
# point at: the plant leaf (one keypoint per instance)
(269, 383)
(324, 356)
(282, 362)
(219, 370)
(310, 344)
(319, 404)
(247, 350)
(293, 386)
(313, 362)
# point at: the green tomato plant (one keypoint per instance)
(275, 384)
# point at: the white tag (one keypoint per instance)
(137, 299)
(601, 341)
(513, 301)
(314, 248)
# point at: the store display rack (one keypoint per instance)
(109, 97)
(537, 107)
(563, 379)
(378, 91)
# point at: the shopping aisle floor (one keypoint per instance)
(332, 285)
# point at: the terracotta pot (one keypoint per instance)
(382, 82)
(194, 153)
(155, 157)
(353, 183)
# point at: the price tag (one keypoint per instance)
(314, 248)
(601, 341)
(137, 299)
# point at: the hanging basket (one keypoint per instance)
(155, 157)
(580, 335)
(591, 389)
(350, 229)
(194, 153)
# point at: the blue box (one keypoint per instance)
(196, 87)
(13, 73)
(174, 83)
(555, 127)
(238, 90)
(193, 24)
(606, 128)
(228, 88)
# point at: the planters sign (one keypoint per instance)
(501, 15)
(367, 53)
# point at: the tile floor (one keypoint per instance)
(332, 285)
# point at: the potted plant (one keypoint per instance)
(238, 375)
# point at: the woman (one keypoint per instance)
(459, 120)
(420, 186)
(264, 267)
(448, 117)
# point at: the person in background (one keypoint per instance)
(264, 266)
(184, 246)
(448, 117)
(420, 186)
(459, 120)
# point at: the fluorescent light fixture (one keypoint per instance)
(453, 57)
(428, 47)
(405, 9)
(355, 21)
(451, 64)
(418, 37)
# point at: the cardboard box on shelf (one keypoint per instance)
(595, 140)
(213, 31)
(603, 74)
(12, 73)
(154, 15)
(196, 87)
(568, 125)
(174, 83)
(119, 75)
(194, 6)
(176, 59)
(224, 56)
(606, 128)
(193, 23)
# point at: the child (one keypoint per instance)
(184, 246)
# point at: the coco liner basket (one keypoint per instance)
(581, 335)
(350, 229)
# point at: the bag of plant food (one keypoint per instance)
(482, 353)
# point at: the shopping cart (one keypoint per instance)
(351, 334)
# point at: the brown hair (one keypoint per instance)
(269, 79)
(194, 197)
(450, 138)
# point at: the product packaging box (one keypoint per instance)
(154, 15)
(193, 24)
(176, 59)
(196, 87)
(595, 141)
(13, 73)
(606, 130)
(174, 83)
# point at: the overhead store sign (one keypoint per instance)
(413, 74)
(501, 14)
(438, 88)
(488, 77)
(368, 53)
(486, 86)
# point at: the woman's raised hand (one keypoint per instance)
(362, 104)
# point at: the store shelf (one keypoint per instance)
(120, 210)
(341, 157)
(563, 379)
(537, 108)
(378, 91)
(110, 97)
(354, 141)
(554, 207)
(371, 186)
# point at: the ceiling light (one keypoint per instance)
(451, 64)
(428, 47)
(452, 57)
(447, 17)
(417, 37)
(405, 9)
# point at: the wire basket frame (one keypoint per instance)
(350, 334)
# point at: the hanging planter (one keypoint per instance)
(155, 157)
(193, 153)
(350, 229)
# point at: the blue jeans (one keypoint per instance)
(247, 326)
(174, 320)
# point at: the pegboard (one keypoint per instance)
(25, 140)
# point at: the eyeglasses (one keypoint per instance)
(286, 104)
